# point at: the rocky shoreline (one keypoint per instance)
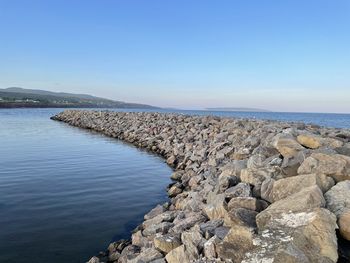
(248, 191)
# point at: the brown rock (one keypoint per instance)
(273, 191)
(236, 243)
(166, 243)
(250, 203)
(309, 140)
(344, 224)
(304, 200)
(336, 165)
(241, 217)
(286, 145)
(178, 255)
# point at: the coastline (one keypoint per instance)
(244, 190)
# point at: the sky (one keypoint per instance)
(290, 55)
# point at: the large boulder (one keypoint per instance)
(338, 201)
(250, 203)
(154, 212)
(241, 217)
(147, 255)
(240, 190)
(234, 168)
(286, 144)
(216, 207)
(186, 222)
(344, 224)
(166, 243)
(314, 141)
(256, 177)
(153, 229)
(338, 198)
(273, 191)
(335, 165)
(236, 243)
(193, 241)
(179, 254)
(209, 248)
(208, 228)
(304, 200)
(291, 165)
(296, 237)
(344, 150)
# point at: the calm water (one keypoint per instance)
(65, 192)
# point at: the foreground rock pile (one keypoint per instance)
(244, 190)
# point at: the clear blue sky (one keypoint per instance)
(290, 55)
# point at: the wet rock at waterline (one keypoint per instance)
(244, 190)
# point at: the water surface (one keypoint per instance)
(65, 192)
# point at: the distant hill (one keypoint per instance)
(18, 98)
(237, 109)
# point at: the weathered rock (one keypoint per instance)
(338, 202)
(163, 217)
(310, 140)
(336, 166)
(236, 243)
(287, 145)
(297, 237)
(216, 207)
(209, 248)
(226, 181)
(139, 240)
(234, 168)
(344, 224)
(304, 200)
(257, 177)
(157, 228)
(291, 165)
(166, 243)
(208, 228)
(189, 221)
(344, 150)
(314, 141)
(338, 198)
(250, 203)
(118, 246)
(178, 255)
(94, 260)
(114, 256)
(154, 212)
(193, 241)
(175, 190)
(129, 253)
(273, 191)
(240, 190)
(177, 175)
(240, 217)
(147, 255)
(221, 232)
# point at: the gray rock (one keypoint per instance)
(240, 190)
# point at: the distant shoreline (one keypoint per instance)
(238, 109)
(42, 106)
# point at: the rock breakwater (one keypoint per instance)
(248, 191)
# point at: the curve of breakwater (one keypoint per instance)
(244, 190)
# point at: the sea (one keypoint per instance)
(66, 192)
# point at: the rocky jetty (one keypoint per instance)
(249, 191)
